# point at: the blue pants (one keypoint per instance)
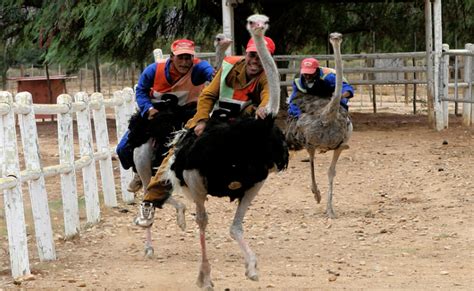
(125, 152)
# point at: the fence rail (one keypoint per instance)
(402, 69)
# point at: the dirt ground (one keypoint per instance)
(404, 196)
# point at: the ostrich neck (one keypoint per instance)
(220, 54)
(271, 71)
(333, 107)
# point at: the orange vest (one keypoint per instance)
(184, 89)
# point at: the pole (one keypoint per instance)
(228, 23)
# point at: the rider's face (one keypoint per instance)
(309, 77)
(254, 65)
(182, 63)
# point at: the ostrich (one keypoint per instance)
(160, 129)
(143, 136)
(323, 126)
(221, 43)
(231, 159)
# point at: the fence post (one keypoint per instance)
(37, 188)
(468, 108)
(102, 142)
(157, 54)
(12, 196)
(439, 117)
(89, 175)
(129, 96)
(121, 121)
(444, 90)
(66, 159)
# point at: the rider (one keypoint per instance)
(317, 81)
(241, 81)
(181, 75)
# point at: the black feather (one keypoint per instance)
(241, 150)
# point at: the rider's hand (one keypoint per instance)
(199, 128)
(261, 112)
(151, 113)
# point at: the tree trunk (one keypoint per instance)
(48, 81)
(97, 74)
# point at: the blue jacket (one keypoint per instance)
(201, 72)
(324, 86)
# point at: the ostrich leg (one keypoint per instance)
(142, 157)
(331, 174)
(204, 278)
(197, 192)
(237, 233)
(314, 186)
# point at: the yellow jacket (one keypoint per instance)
(237, 80)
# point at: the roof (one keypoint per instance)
(41, 78)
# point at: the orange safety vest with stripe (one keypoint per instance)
(230, 94)
(184, 89)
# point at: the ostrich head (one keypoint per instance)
(222, 42)
(335, 38)
(257, 24)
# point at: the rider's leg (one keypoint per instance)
(157, 192)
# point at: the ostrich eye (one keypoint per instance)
(218, 38)
(251, 22)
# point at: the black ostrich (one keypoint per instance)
(232, 159)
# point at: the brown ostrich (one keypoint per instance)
(323, 126)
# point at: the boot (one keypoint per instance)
(135, 185)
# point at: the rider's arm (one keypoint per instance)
(347, 89)
(145, 83)
(293, 109)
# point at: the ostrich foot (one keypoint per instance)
(204, 281)
(317, 194)
(251, 270)
(180, 217)
(330, 213)
(149, 252)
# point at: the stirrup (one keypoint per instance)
(146, 214)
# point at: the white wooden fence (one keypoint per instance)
(466, 83)
(12, 178)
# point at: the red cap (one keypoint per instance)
(268, 41)
(183, 46)
(309, 66)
